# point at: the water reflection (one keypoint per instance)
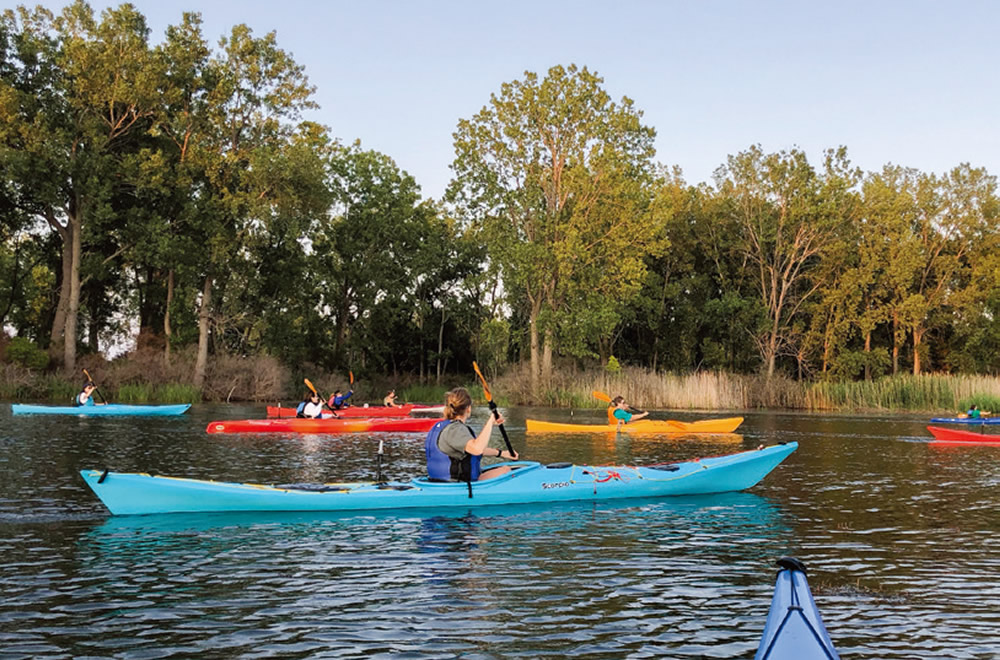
(899, 537)
(540, 573)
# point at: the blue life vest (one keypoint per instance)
(76, 401)
(338, 402)
(441, 466)
(299, 412)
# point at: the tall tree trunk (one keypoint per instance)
(14, 281)
(895, 343)
(547, 342)
(772, 343)
(868, 355)
(423, 351)
(204, 314)
(533, 342)
(440, 347)
(56, 337)
(166, 317)
(918, 335)
(94, 324)
(342, 312)
(73, 305)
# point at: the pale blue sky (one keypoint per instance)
(913, 83)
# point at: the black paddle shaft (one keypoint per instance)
(503, 431)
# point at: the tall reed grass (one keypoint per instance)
(147, 393)
(645, 388)
(436, 394)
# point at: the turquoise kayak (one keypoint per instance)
(112, 409)
(527, 483)
(794, 629)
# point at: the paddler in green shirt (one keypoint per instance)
(621, 414)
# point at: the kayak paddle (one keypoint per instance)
(96, 388)
(493, 407)
(313, 389)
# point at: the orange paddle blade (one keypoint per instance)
(602, 396)
(351, 376)
(310, 386)
(486, 388)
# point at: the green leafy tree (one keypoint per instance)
(788, 216)
(559, 179)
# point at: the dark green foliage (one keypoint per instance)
(562, 235)
(25, 353)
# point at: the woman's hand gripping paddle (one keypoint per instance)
(322, 398)
(493, 408)
(96, 388)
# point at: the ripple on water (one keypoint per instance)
(899, 538)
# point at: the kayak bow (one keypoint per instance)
(528, 482)
(956, 436)
(794, 629)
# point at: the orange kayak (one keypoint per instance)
(297, 425)
(722, 425)
(350, 411)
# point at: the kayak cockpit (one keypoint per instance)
(517, 469)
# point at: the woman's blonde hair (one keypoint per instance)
(456, 402)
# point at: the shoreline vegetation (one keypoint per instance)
(142, 377)
(240, 248)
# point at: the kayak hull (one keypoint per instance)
(722, 425)
(957, 436)
(526, 483)
(349, 425)
(351, 411)
(109, 410)
(794, 628)
(966, 420)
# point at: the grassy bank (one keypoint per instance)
(721, 391)
(143, 377)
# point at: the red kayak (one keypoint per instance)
(350, 411)
(956, 436)
(297, 425)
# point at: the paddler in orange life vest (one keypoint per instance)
(453, 449)
(617, 413)
(339, 400)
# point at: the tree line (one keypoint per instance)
(174, 191)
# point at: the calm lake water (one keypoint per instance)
(900, 538)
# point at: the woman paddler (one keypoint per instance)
(311, 406)
(619, 414)
(453, 449)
